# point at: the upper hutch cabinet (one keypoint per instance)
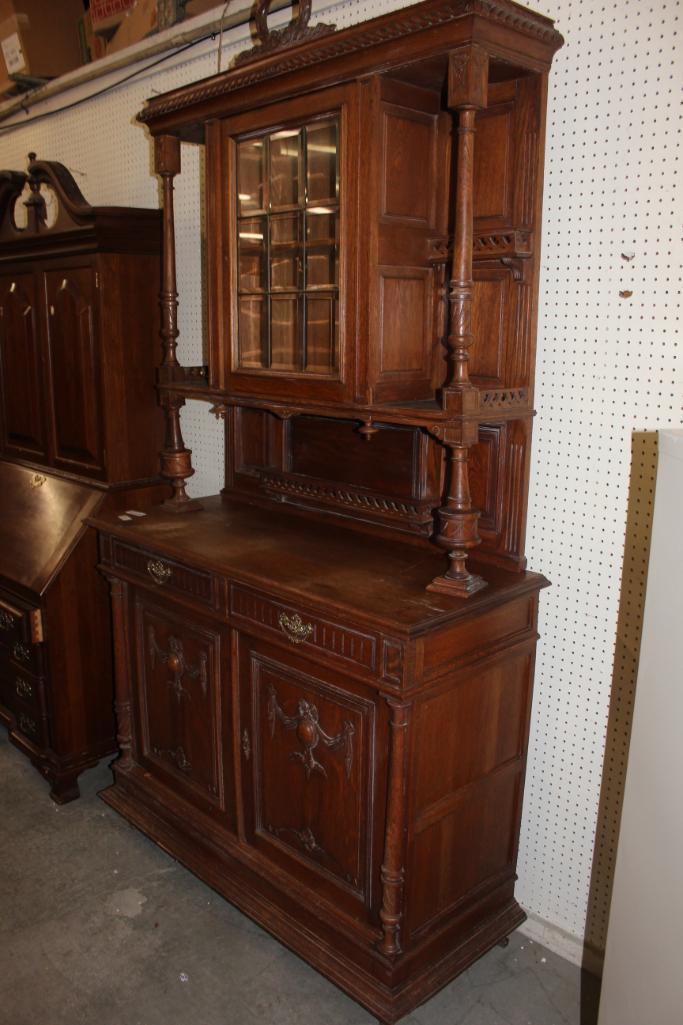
(324, 673)
(79, 432)
(300, 308)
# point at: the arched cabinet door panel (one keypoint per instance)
(22, 418)
(75, 397)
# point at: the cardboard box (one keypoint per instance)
(92, 46)
(105, 15)
(194, 7)
(140, 21)
(38, 40)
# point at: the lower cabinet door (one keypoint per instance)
(310, 773)
(183, 695)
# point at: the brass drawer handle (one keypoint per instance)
(6, 621)
(158, 570)
(23, 688)
(294, 627)
(27, 724)
(21, 652)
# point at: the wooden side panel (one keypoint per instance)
(507, 197)
(130, 350)
(469, 744)
(22, 406)
(493, 165)
(74, 369)
(79, 648)
(412, 153)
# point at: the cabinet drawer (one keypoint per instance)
(15, 621)
(21, 656)
(28, 690)
(303, 630)
(166, 574)
(31, 726)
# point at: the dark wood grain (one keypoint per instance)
(311, 715)
(80, 431)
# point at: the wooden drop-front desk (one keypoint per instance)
(323, 702)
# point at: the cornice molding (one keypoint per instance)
(387, 28)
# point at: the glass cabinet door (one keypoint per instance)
(288, 249)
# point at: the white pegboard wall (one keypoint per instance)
(608, 367)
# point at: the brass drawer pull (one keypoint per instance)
(6, 620)
(295, 628)
(23, 688)
(21, 652)
(159, 571)
(27, 725)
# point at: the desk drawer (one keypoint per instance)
(19, 623)
(166, 574)
(31, 725)
(306, 631)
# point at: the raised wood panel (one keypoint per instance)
(485, 475)
(490, 296)
(75, 393)
(408, 154)
(307, 765)
(471, 844)
(493, 164)
(22, 405)
(180, 700)
(512, 621)
(405, 322)
(487, 710)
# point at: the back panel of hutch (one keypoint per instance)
(320, 714)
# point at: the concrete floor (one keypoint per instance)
(100, 927)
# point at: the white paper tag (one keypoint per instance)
(15, 60)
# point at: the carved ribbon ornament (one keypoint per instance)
(310, 733)
(174, 659)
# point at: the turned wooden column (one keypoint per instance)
(392, 871)
(176, 459)
(122, 676)
(457, 519)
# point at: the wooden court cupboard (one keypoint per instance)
(320, 713)
(78, 434)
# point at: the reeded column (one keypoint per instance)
(392, 871)
(457, 519)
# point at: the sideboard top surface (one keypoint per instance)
(379, 581)
(42, 520)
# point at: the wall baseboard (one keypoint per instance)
(571, 947)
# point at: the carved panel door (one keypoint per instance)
(181, 718)
(74, 366)
(308, 770)
(22, 420)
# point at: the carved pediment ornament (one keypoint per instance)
(271, 40)
(70, 207)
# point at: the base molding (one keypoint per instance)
(389, 1003)
(572, 948)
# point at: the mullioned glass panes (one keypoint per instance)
(288, 249)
